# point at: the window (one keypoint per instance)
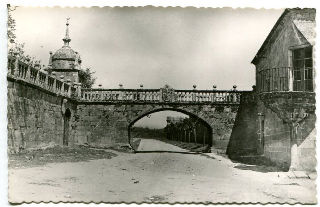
(303, 69)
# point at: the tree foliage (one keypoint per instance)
(17, 49)
(86, 78)
(11, 24)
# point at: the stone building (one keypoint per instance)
(65, 62)
(285, 88)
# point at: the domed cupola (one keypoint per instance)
(66, 61)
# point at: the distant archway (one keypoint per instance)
(207, 139)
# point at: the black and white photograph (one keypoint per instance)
(170, 105)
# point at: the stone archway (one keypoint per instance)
(66, 127)
(186, 112)
(107, 124)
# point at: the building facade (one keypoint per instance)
(285, 88)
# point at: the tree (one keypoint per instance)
(11, 25)
(86, 78)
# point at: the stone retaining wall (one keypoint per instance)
(35, 117)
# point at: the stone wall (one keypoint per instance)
(35, 117)
(222, 129)
(279, 133)
(276, 134)
(307, 144)
(286, 128)
(98, 124)
(244, 137)
(108, 124)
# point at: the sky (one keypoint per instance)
(153, 46)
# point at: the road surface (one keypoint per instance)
(156, 177)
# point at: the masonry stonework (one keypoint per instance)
(285, 87)
(35, 117)
(109, 124)
(275, 121)
(289, 120)
(244, 137)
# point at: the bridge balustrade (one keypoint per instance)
(156, 95)
(23, 70)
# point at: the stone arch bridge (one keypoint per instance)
(44, 108)
(104, 116)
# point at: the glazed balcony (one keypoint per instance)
(285, 79)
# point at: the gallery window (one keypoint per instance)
(302, 69)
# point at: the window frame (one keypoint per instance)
(305, 73)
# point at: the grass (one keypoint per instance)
(56, 154)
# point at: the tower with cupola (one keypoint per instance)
(65, 62)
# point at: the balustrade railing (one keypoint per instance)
(20, 70)
(160, 95)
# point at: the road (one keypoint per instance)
(156, 177)
(149, 145)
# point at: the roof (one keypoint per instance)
(305, 27)
(64, 53)
(269, 35)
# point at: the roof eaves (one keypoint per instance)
(269, 36)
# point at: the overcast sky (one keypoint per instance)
(153, 46)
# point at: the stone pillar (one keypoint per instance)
(62, 85)
(260, 143)
(46, 81)
(121, 93)
(194, 95)
(54, 86)
(69, 88)
(290, 79)
(16, 67)
(234, 95)
(296, 117)
(213, 97)
(36, 78)
(294, 147)
(28, 73)
(79, 90)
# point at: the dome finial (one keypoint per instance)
(67, 39)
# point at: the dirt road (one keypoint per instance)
(156, 177)
(156, 145)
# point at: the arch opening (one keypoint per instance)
(66, 127)
(178, 128)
